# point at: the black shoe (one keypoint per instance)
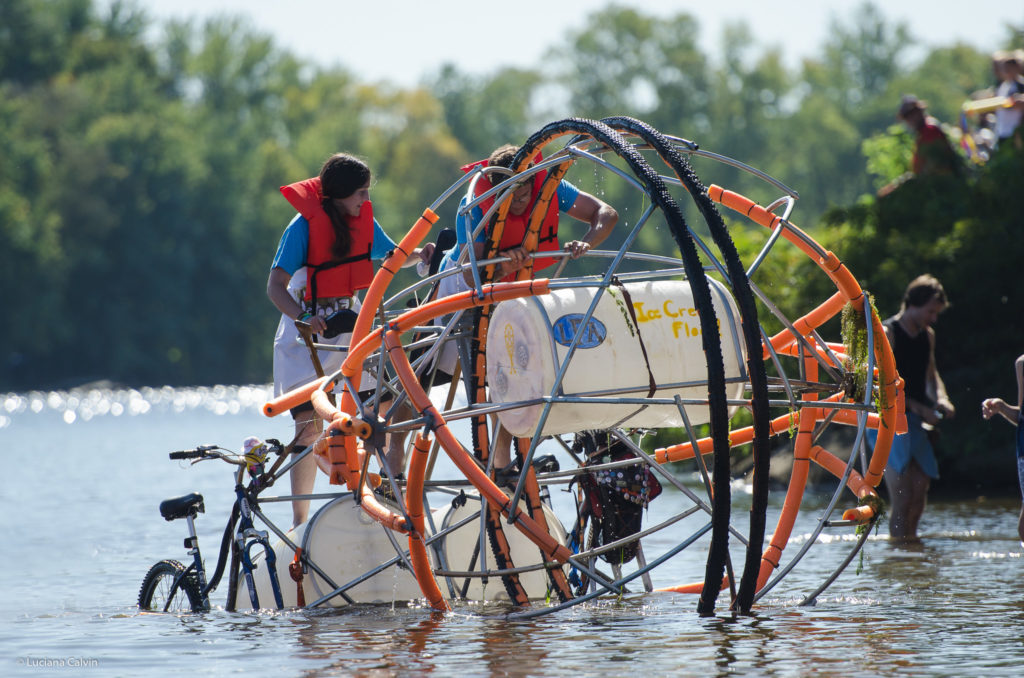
(384, 491)
(545, 463)
(507, 476)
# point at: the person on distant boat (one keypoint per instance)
(933, 154)
(1015, 415)
(1007, 67)
(912, 463)
(323, 259)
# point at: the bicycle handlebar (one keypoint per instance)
(197, 453)
(205, 452)
(218, 452)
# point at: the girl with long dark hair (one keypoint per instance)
(323, 259)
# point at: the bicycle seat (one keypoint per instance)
(180, 507)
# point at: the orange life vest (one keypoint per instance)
(327, 276)
(516, 225)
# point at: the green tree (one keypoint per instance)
(36, 36)
(860, 59)
(625, 62)
(483, 112)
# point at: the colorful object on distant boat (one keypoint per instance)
(986, 105)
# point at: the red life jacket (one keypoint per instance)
(327, 276)
(516, 225)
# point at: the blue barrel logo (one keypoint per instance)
(592, 333)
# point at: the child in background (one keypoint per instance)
(993, 406)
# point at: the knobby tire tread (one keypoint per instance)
(168, 570)
(752, 339)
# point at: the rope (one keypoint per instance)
(295, 570)
(652, 383)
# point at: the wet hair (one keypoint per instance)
(922, 290)
(502, 156)
(341, 176)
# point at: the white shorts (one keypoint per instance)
(293, 365)
(446, 287)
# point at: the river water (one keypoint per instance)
(85, 471)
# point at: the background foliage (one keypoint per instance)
(138, 176)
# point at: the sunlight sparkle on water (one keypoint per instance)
(88, 403)
(992, 555)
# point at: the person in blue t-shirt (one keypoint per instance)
(597, 214)
(323, 259)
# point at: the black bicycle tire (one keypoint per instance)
(187, 587)
(752, 338)
(719, 418)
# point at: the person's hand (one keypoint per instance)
(946, 408)
(894, 184)
(426, 253)
(931, 417)
(576, 248)
(315, 322)
(422, 260)
(518, 256)
(517, 259)
(990, 407)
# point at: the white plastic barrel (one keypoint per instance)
(529, 338)
(462, 552)
(346, 543)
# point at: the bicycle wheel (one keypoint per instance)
(159, 594)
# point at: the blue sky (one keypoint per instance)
(401, 41)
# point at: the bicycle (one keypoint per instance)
(170, 586)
